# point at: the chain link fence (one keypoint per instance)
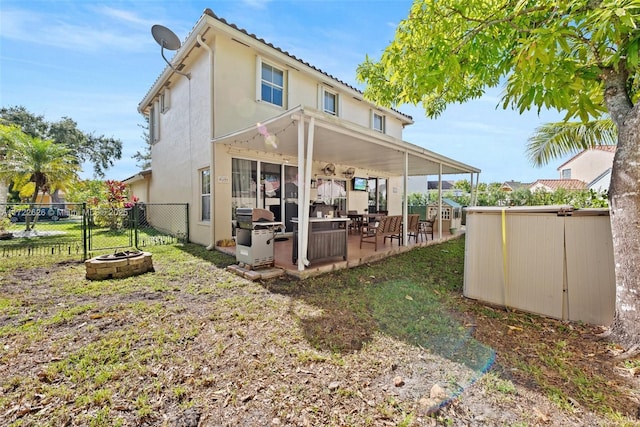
(76, 231)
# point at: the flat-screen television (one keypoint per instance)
(359, 184)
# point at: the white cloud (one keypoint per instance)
(56, 31)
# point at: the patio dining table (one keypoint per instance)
(356, 220)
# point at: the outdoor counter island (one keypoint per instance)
(327, 238)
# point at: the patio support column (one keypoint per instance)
(440, 202)
(303, 220)
(405, 208)
(471, 191)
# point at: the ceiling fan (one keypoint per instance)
(348, 174)
(329, 169)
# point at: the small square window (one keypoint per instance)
(378, 122)
(272, 85)
(566, 174)
(330, 103)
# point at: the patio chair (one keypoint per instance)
(386, 226)
(413, 230)
(426, 227)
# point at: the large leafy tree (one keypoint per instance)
(100, 151)
(35, 166)
(576, 56)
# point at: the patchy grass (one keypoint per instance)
(192, 341)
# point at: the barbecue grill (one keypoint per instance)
(255, 236)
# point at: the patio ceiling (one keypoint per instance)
(341, 142)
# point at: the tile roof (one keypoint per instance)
(567, 184)
(515, 185)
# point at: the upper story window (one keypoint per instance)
(272, 85)
(165, 101)
(565, 174)
(330, 102)
(154, 124)
(378, 122)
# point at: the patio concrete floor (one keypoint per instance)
(355, 256)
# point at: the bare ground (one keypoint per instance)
(211, 349)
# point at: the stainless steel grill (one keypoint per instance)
(255, 237)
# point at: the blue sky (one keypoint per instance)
(93, 61)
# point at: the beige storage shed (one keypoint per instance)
(549, 260)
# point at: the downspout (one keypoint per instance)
(212, 160)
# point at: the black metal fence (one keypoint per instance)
(76, 230)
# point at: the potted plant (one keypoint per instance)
(452, 230)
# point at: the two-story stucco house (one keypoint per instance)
(593, 167)
(246, 124)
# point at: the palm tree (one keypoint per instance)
(8, 134)
(35, 165)
(555, 140)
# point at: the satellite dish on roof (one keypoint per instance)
(165, 37)
(167, 40)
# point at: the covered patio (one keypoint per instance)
(355, 256)
(302, 136)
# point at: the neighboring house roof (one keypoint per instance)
(514, 185)
(446, 185)
(137, 177)
(555, 184)
(208, 12)
(607, 148)
(604, 178)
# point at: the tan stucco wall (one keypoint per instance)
(183, 148)
(589, 165)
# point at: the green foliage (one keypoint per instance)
(552, 54)
(554, 140)
(89, 191)
(144, 157)
(35, 166)
(101, 151)
(417, 199)
(110, 210)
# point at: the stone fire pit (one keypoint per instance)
(118, 265)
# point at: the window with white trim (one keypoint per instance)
(329, 102)
(205, 194)
(566, 174)
(378, 122)
(165, 101)
(271, 84)
(154, 124)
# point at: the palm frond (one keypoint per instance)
(556, 140)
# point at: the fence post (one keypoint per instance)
(84, 231)
(186, 211)
(136, 224)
